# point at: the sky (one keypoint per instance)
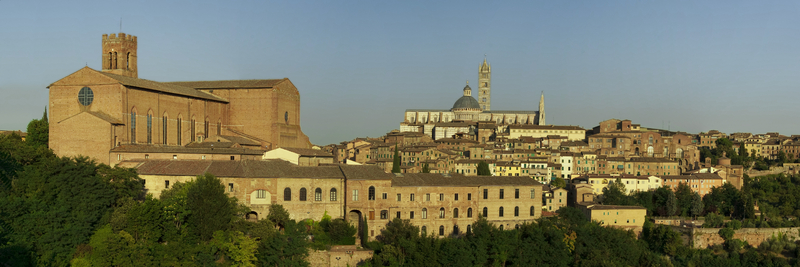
(693, 66)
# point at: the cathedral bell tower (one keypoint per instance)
(485, 86)
(119, 55)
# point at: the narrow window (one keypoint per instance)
(428, 197)
(455, 213)
(110, 61)
(441, 197)
(178, 133)
(441, 213)
(500, 212)
(149, 129)
(219, 129)
(318, 194)
(516, 211)
(485, 212)
(469, 196)
(455, 197)
(371, 193)
(164, 129)
(424, 230)
(502, 193)
(261, 194)
(333, 194)
(533, 193)
(516, 193)
(355, 194)
(115, 60)
(411, 197)
(166, 184)
(303, 194)
(128, 61)
(399, 197)
(384, 214)
(230, 187)
(441, 230)
(424, 213)
(485, 193)
(411, 215)
(287, 194)
(398, 215)
(469, 213)
(533, 211)
(193, 132)
(133, 127)
(205, 129)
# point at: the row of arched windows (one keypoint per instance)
(456, 230)
(287, 194)
(442, 213)
(165, 128)
(112, 60)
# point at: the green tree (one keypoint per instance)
(684, 194)
(615, 194)
(55, 205)
(287, 249)
(671, 204)
(235, 247)
(425, 168)
(278, 215)
(396, 160)
(483, 169)
(558, 182)
(697, 205)
(39, 131)
(397, 230)
(211, 209)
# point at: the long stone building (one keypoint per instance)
(92, 112)
(440, 204)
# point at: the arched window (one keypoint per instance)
(500, 212)
(455, 213)
(178, 132)
(501, 227)
(650, 151)
(149, 128)
(164, 129)
(133, 126)
(650, 140)
(424, 230)
(469, 213)
(128, 61)
(333, 194)
(318, 194)
(303, 194)
(115, 61)
(424, 213)
(192, 138)
(485, 212)
(110, 60)
(469, 229)
(287, 194)
(205, 128)
(455, 230)
(371, 193)
(441, 230)
(533, 211)
(516, 211)
(441, 213)
(679, 152)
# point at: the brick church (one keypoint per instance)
(112, 115)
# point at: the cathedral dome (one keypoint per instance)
(466, 102)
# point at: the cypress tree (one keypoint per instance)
(396, 161)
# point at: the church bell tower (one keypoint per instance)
(119, 55)
(485, 86)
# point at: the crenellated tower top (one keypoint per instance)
(119, 54)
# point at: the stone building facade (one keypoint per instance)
(440, 204)
(93, 112)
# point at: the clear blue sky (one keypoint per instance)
(690, 65)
